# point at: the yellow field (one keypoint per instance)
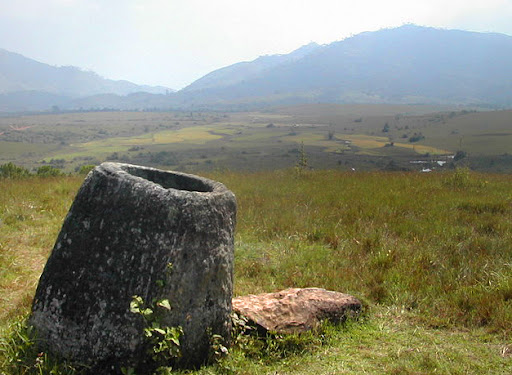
(372, 142)
(193, 135)
(367, 143)
(422, 149)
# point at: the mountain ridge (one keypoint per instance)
(248, 69)
(409, 64)
(19, 73)
(400, 65)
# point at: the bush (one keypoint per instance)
(460, 155)
(463, 178)
(48, 171)
(11, 170)
(416, 137)
(85, 169)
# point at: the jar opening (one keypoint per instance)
(170, 180)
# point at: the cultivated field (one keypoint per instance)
(342, 137)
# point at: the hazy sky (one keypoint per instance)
(174, 42)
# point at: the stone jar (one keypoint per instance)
(126, 228)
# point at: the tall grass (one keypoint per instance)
(31, 212)
(440, 244)
(437, 247)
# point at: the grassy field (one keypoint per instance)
(342, 137)
(430, 256)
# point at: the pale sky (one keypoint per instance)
(174, 42)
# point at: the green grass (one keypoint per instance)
(386, 343)
(407, 240)
(430, 256)
(31, 212)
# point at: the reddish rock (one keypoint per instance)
(296, 310)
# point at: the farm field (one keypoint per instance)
(429, 255)
(342, 137)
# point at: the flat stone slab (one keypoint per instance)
(297, 309)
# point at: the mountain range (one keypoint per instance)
(19, 73)
(408, 64)
(26, 84)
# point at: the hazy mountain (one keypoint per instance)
(243, 71)
(28, 84)
(409, 64)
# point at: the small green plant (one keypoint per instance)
(218, 350)
(163, 341)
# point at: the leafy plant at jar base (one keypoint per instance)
(163, 341)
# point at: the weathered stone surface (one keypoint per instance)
(126, 225)
(296, 310)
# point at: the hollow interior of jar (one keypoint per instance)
(169, 180)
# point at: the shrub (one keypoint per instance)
(459, 155)
(462, 178)
(85, 169)
(48, 171)
(11, 170)
(416, 137)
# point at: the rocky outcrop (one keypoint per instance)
(296, 310)
(126, 226)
